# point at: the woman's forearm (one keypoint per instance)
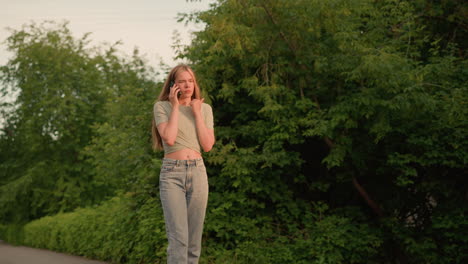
(205, 135)
(169, 133)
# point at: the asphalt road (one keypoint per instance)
(23, 255)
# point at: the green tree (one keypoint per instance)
(355, 103)
(61, 91)
(120, 152)
(341, 136)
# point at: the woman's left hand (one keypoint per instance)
(196, 105)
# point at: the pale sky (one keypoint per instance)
(146, 24)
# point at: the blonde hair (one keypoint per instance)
(164, 96)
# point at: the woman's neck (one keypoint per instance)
(184, 102)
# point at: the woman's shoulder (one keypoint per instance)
(162, 103)
(162, 106)
(206, 106)
(206, 109)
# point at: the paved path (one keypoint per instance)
(23, 255)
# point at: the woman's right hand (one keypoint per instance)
(173, 98)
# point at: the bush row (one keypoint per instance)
(120, 230)
(131, 230)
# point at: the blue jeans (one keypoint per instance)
(183, 186)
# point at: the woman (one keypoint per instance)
(183, 127)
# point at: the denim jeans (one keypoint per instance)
(183, 186)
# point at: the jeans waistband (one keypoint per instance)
(190, 162)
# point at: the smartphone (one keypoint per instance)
(170, 86)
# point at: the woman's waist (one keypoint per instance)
(183, 154)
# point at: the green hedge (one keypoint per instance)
(120, 231)
(130, 229)
(12, 233)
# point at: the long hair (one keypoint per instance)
(164, 96)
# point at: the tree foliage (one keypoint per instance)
(67, 93)
(341, 132)
(354, 103)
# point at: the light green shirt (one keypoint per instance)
(187, 134)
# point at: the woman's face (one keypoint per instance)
(185, 81)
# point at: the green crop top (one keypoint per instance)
(187, 134)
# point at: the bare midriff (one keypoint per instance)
(183, 154)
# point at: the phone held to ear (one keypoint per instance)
(172, 84)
